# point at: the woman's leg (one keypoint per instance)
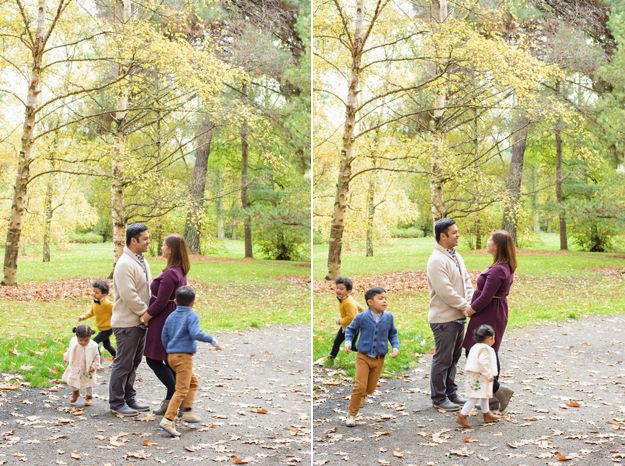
(164, 373)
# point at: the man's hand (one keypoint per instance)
(145, 318)
(394, 353)
(217, 348)
(348, 349)
(79, 318)
(338, 321)
(469, 311)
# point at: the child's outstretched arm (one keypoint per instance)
(350, 331)
(86, 315)
(197, 333)
(393, 338)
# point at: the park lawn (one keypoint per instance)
(96, 260)
(231, 296)
(411, 254)
(541, 293)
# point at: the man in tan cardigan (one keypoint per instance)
(450, 295)
(131, 282)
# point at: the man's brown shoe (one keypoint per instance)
(74, 397)
(490, 417)
(463, 420)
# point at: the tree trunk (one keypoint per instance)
(535, 202)
(346, 154)
(221, 231)
(47, 220)
(119, 155)
(245, 202)
(193, 223)
(560, 180)
(439, 14)
(370, 213)
(515, 177)
(14, 229)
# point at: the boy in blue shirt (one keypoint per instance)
(377, 329)
(180, 332)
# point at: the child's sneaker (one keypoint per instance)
(189, 416)
(321, 361)
(88, 400)
(74, 396)
(329, 362)
(169, 427)
(350, 421)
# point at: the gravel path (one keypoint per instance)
(575, 362)
(254, 398)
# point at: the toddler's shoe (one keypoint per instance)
(463, 420)
(350, 421)
(169, 427)
(74, 397)
(490, 417)
(88, 400)
(189, 416)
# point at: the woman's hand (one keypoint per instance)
(145, 318)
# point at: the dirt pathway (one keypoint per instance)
(254, 399)
(551, 368)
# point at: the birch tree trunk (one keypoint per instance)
(560, 180)
(47, 220)
(193, 224)
(119, 153)
(346, 155)
(221, 231)
(370, 213)
(437, 199)
(14, 229)
(245, 201)
(515, 177)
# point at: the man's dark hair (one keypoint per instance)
(185, 296)
(101, 285)
(483, 332)
(371, 292)
(344, 281)
(441, 226)
(134, 230)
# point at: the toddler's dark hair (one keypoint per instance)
(349, 285)
(185, 296)
(83, 331)
(483, 332)
(101, 285)
(371, 292)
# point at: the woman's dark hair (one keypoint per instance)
(506, 251)
(179, 256)
(101, 285)
(185, 295)
(83, 331)
(441, 226)
(134, 230)
(349, 285)
(483, 332)
(371, 292)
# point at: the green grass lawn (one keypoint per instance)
(549, 287)
(231, 295)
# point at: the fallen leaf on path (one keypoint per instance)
(148, 443)
(572, 404)
(470, 440)
(261, 411)
(140, 455)
(397, 453)
(75, 455)
(237, 460)
(561, 457)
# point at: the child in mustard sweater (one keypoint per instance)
(348, 308)
(102, 309)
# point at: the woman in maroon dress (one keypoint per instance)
(489, 304)
(161, 305)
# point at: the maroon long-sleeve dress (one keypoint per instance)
(490, 302)
(161, 305)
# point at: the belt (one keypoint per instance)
(372, 357)
(499, 297)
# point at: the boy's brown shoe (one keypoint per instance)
(463, 420)
(490, 417)
(88, 400)
(74, 396)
